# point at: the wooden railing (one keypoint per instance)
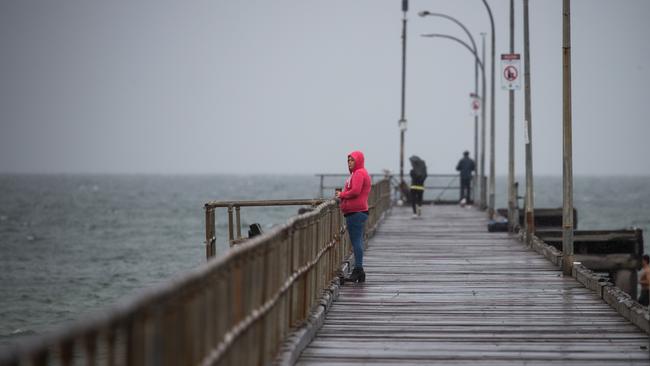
(236, 309)
(234, 218)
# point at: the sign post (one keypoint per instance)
(475, 104)
(510, 71)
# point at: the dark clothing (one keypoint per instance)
(418, 171)
(465, 166)
(643, 299)
(418, 176)
(465, 191)
(416, 198)
(417, 179)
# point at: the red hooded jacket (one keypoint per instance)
(354, 197)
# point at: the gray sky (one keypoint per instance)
(291, 86)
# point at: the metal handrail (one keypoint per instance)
(234, 225)
(235, 309)
(322, 177)
(444, 189)
(266, 203)
(393, 179)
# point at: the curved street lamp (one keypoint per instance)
(440, 35)
(481, 164)
(441, 15)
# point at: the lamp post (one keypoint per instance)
(482, 164)
(476, 62)
(402, 120)
(512, 195)
(529, 222)
(491, 185)
(446, 36)
(567, 149)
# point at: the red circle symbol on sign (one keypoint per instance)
(510, 73)
(475, 105)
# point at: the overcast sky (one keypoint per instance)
(292, 86)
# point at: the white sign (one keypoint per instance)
(526, 135)
(402, 124)
(510, 71)
(475, 104)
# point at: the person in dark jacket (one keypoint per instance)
(465, 166)
(418, 175)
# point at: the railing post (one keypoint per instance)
(231, 233)
(515, 213)
(67, 353)
(330, 241)
(303, 249)
(311, 273)
(210, 235)
(110, 346)
(90, 345)
(40, 358)
(294, 237)
(285, 271)
(237, 209)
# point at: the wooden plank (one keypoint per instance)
(442, 290)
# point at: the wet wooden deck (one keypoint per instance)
(441, 290)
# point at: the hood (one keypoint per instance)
(359, 161)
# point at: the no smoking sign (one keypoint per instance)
(475, 104)
(510, 66)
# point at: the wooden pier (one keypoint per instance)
(442, 290)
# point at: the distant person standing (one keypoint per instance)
(354, 205)
(465, 166)
(644, 281)
(418, 175)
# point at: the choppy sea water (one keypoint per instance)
(71, 244)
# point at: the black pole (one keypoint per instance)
(567, 143)
(402, 120)
(528, 134)
(511, 134)
(492, 132)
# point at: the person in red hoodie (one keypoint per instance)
(354, 205)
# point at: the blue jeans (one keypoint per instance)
(356, 223)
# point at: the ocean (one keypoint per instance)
(71, 244)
